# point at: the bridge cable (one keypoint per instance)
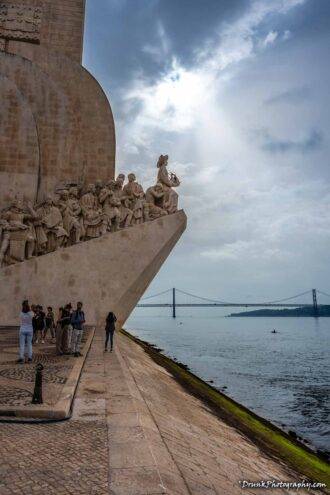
(288, 298)
(216, 301)
(323, 293)
(226, 302)
(155, 295)
(202, 298)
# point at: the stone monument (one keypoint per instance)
(68, 230)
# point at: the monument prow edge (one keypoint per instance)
(107, 273)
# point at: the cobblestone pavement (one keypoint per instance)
(69, 457)
(62, 458)
(134, 431)
(17, 380)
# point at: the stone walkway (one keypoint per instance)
(17, 380)
(134, 431)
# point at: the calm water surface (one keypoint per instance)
(283, 377)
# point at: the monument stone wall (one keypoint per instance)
(40, 54)
(68, 231)
(55, 24)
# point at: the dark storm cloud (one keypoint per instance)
(310, 143)
(189, 23)
(130, 33)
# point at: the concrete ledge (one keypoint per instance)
(62, 409)
(270, 439)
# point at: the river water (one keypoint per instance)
(283, 377)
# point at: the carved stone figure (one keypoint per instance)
(135, 194)
(21, 235)
(98, 188)
(69, 218)
(91, 213)
(110, 207)
(49, 229)
(168, 180)
(70, 209)
(126, 214)
(155, 198)
(4, 239)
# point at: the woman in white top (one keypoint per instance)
(25, 333)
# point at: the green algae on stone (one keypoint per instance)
(267, 436)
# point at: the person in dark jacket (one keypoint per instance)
(49, 323)
(63, 330)
(77, 322)
(110, 327)
(38, 324)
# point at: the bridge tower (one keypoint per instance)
(315, 307)
(173, 303)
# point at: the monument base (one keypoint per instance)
(109, 273)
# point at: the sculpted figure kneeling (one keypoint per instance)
(91, 214)
(18, 237)
(155, 198)
(49, 228)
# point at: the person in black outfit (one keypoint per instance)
(110, 330)
(49, 323)
(64, 322)
(38, 323)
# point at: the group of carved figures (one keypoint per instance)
(75, 215)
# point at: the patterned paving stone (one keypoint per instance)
(17, 380)
(14, 396)
(69, 457)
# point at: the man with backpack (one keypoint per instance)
(77, 322)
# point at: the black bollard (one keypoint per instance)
(37, 393)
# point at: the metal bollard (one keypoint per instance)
(37, 393)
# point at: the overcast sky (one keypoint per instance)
(237, 93)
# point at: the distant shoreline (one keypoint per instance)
(323, 311)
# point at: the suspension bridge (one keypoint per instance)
(209, 303)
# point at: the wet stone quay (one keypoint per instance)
(133, 431)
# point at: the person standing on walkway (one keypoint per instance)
(25, 333)
(49, 323)
(77, 322)
(59, 333)
(65, 328)
(110, 327)
(39, 324)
